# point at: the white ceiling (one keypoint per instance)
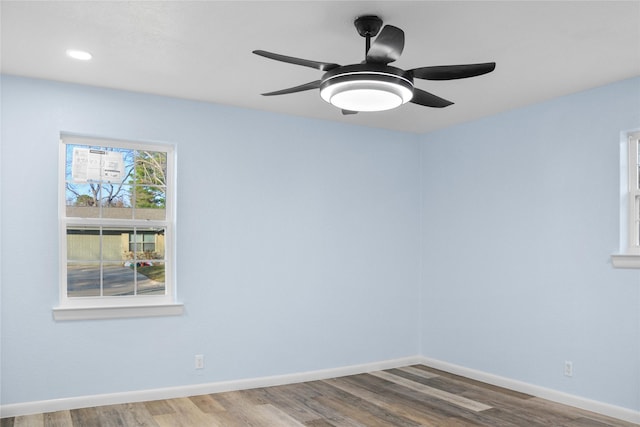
(202, 50)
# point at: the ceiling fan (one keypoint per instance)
(373, 85)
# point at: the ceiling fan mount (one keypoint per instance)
(373, 85)
(368, 25)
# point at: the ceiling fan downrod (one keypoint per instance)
(368, 27)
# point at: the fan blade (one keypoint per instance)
(348, 112)
(388, 46)
(452, 72)
(322, 66)
(427, 99)
(300, 88)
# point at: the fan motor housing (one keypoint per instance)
(366, 87)
(368, 25)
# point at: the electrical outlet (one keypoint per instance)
(199, 361)
(568, 368)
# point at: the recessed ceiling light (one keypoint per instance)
(79, 54)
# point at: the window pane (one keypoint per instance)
(151, 278)
(83, 279)
(115, 244)
(118, 279)
(151, 167)
(82, 200)
(150, 190)
(150, 202)
(83, 243)
(116, 201)
(76, 160)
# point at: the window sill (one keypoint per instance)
(116, 312)
(625, 260)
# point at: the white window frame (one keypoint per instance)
(629, 256)
(104, 307)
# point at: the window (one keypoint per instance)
(630, 205)
(116, 229)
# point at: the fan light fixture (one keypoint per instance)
(359, 88)
(373, 85)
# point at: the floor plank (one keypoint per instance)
(440, 394)
(36, 420)
(84, 417)
(445, 412)
(158, 407)
(58, 419)
(361, 410)
(389, 402)
(207, 404)
(187, 414)
(270, 415)
(292, 399)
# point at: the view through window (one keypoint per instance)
(117, 220)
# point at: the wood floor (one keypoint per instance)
(405, 397)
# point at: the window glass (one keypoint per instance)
(115, 220)
(83, 279)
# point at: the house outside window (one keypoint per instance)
(116, 229)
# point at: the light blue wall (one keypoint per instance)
(519, 217)
(297, 247)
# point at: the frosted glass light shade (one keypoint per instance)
(367, 95)
(359, 88)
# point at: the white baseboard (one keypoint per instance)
(27, 408)
(534, 390)
(37, 407)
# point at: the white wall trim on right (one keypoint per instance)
(534, 390)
